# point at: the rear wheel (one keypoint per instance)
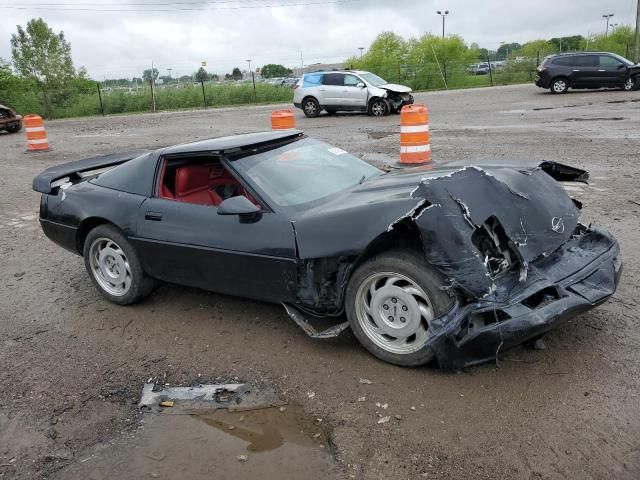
(311, 107)
(391, 301)
(559, 85)
(379, 107)
(14, 128)
(114, 267)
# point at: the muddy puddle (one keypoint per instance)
(269, 443)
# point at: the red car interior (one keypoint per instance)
(200, 184)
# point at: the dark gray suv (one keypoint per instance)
(587, 70)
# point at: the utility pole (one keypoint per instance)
(443, 15)
(607, 17)
(153, 94)
(361, 49)
(637, 49)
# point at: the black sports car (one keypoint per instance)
(452, 262)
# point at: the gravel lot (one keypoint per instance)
(73, 365)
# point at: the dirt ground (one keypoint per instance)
(72, 365)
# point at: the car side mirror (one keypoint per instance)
(620, 66)
(239, 205)
(360, 85)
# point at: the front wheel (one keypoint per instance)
(114, 267)
(391, 301)
(379, 107)
(559, 85)
(630, 84)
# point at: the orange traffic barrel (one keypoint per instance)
(36, 134)
(414, 134)
(282, 120)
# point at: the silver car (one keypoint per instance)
(349, 90)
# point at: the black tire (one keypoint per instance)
(311, 107)
(140, 285)
(412, 267)
(379, 107)
(630, 84)
(14, 128)
(559, 85)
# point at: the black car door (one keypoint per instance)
(193, 245)
(611, 71)
(584, 70)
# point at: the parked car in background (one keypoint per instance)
(349, 90)
(478, 69)
(560, 72)
(289, 82)
(10, 120)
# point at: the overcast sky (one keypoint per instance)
(179, 34)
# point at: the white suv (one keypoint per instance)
(349, 90)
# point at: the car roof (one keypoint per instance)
(569, 54)
(357, 72)
(233, 142)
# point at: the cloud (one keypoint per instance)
(123, 44)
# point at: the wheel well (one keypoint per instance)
(85, 227)
(308, 97)
(558, 78)
(404, 235)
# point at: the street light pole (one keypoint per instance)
(253, 80)
(443, 15)
(637, 49)
(607, 17)
(361, 49)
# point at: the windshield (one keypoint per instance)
(373, 80)
(304, 171)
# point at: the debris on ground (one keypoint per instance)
(365, 381)
(384, 419)
(242, 458)
(362, 399)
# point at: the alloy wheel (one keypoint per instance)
(378, 108)
(110, 267)
(394, 312)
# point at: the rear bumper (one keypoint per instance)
(541, 82)
(63, 235)
(478, 332)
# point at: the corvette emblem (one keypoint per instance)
(557, 225)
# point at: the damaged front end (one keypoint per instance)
(511, 246)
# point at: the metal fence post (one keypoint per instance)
(204, 98)
(100, 98)
(490, 70)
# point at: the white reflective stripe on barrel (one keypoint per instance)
(39, 140)
(414, 128)
(414, 149)
(34, 129)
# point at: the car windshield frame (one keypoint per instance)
(243, 164)
(373, 79)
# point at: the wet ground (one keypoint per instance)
(73, 365)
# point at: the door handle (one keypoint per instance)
(601, 70)
(153, 216)
(576, 70)
(322, 90)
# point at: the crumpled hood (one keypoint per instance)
(395, 88)
(478, 225)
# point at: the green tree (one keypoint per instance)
(43, 56)
(271, 70)
(201, 75)
(148, 75)
(236, 74)
(507, 49)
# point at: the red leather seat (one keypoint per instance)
(192, 186)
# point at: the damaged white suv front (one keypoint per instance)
(349, 90)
